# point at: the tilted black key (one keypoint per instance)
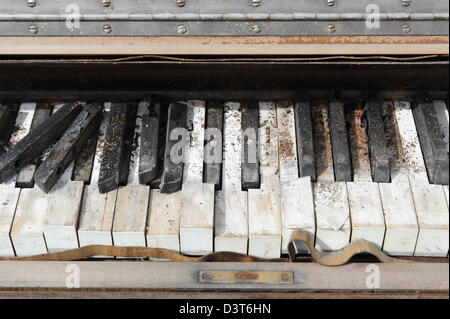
(125, 156)
(305, 144)
(82, 170)
(8, 116)
(378, 152)
(25, 178)
(37, 141)
(250, 124)
(148, 157)
(113, 148)
(339, 143)
(173, 171)
(431, 140)
(68, 147)
(214, 120)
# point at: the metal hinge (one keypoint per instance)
(222, 18)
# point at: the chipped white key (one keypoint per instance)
(297, 199)
(97, 210)
(197, 198)
(130, 217)
(330, 197)
(231, 215)
(264, 204)
(396, 197)
(9, 195)
(429, 200)
(366, 211)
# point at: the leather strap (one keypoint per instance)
(334, 258)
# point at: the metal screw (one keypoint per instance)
(256, 28)
(107, 28)
(181, 29)
(331, 3)
(256, 3)
(33, 29)
(181, 3)
(31, 3)
(106, 3)
(406, 28)
(406, 3)
(332, 28)
(207, 276)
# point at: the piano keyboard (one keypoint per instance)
(251, 174)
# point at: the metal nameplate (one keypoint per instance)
(246, 277)
(223, 18)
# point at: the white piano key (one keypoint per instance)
(429, 200)
(130, 217)
(446, 194)
(97, 210)
(9, 195)
(231, 203)
(164, 220)
(330, 198)
(264, 204)
(27, 233)
(366, 211)
(297, 199)
(197, 199)
(61, 218)
(396, 197)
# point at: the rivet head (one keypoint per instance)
(256, 28)
(207, 276)
(332, 28)
(33, 29)
(406, 28)
(31, 3)
(331, 3)
(406, 3)
(106, 3)
(256, 3)
(107, 28)
(181, 3)
(181, 29)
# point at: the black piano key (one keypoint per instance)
(8, 114)
(172, 177)
(25, 178)
(112, 149)
(68, 147)
(214, 120)
(431, 140)
(149, 154)
(305, 144)
(37, 141)
(378, 151)
(163, 113)
(84, 162)
(339, 143)
(125, 156)
(250, 124)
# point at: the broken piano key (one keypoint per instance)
(431, 140)
(114, 148)
(148, 161)
(173, 171)
(68, 147)
(37, 141)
